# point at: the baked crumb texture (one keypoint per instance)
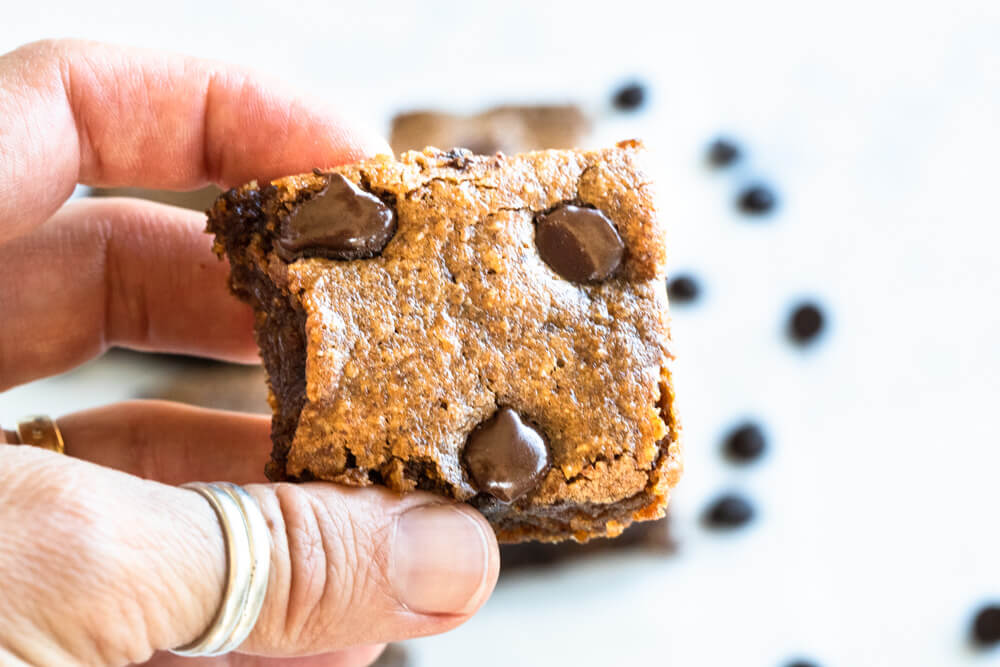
(379, 369)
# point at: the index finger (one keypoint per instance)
(81, 112)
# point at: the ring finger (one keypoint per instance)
(169, 442)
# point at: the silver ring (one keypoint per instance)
(248, 565)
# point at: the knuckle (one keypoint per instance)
(66, 546)
(49, 53)
(42, 47)
(133, 425)
(306, 564)
(360, 568)
(334, 564)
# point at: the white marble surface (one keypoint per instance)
(879, 502)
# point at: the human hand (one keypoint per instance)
(102, 560)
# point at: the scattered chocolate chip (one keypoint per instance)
(505, 457)
(728, 511)
(629, 97)
(341, 221)
(683, 289)
(579, 243)
(757, 200)
(745, 443)
(806, 323)
(986, 626)
(723, 152)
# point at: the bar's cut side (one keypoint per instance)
(493, 329)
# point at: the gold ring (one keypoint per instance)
(38, 431)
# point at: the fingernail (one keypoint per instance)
(439, 560)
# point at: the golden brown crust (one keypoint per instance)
(405, 353)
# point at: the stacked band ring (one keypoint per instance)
(248, 563)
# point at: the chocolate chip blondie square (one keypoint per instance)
(493, 329)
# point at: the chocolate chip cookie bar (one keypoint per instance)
(493, 329)
(508, 128)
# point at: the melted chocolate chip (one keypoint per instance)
(580, 244)
(683, 289)
(757, 200)
(505, 457)
(728, 511)
(629, 97)
(723, 152)
(806, 323)
(986, 627)
(341, 221)
(745, 443)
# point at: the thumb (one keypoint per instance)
(107, 568)
(364, 565)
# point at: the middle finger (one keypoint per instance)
(115, 272)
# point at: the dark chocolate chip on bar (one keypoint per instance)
(505, 456)
(579, 243)
(341, 221)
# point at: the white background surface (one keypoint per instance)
(879, 124)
